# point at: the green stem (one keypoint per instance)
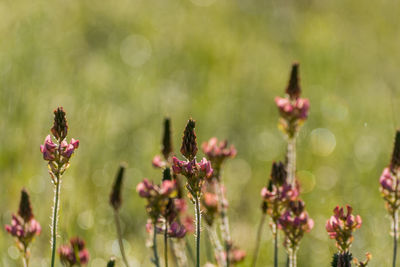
(291, 158)
(119, 233)
(276, 245)
(156, 260)
(258, 239)
(395, 226)
(25, 258)
(55, 219)
(198, 227)
(166, 243)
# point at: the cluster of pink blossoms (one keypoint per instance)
(292, 108)
(294, 222)
(341, 227)
(390, 189)
(74, 253)
(278, 193)
(217, 152)
(157, 196)
(23, 225)
(52, 151)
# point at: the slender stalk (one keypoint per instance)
(198, 228)
(119, 233)
(178, 249)
(293, 257)
(224, 219)
(156, 259)
(25, 259)
(291, 159)
(276, 245)
(55, 218)
(395, 229)
(258, 239)
(166, 244)
(219, 250)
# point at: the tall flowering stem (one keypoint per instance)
(390, 190)
(195, 173)
(276, 197)
(116, 202)
(24, 227)
(293, 111)
(57, 154)
(217, 152)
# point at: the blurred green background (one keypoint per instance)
(119, 67)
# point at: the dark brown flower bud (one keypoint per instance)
(115, 197)
(25, 209)
(293, 89)
(264, 207)
(77, 242)
(111, 262)
(189, 144)
(297, 206)
(342, 259)
(60, 126)
(278, 173)
(167, 139)
(395, 163)
(167, 174)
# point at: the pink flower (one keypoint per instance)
(341, 226)
(75, 248)
(177, 230)
(296, 109)
(217, 152)
(24, 231)
(68, 149)
(158, 162)
(48, 149)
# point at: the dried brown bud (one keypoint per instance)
(115, 197)
(60, 126)
(189, 144)
(342, 260)
(278, 173)
(167, 139)
(167, 174)
(111, 262)
(25, 209)
(297, 206)
(293, 89)
(395, 163)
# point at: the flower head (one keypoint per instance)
(157, 196)
(23, 225)
(74, 253)
(293, 89)
(341, 227)
(395, 162)
(294, 222)
(167, 140)
(217, 152)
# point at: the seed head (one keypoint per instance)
(25, 209)
(395, 163)
(115, 197)
(167, 141)
(189, 144)
(293, 89)
(60, 126)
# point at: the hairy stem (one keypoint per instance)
(258, 239)
(292, 257)
(198, 228)
(218, 249)
(291, 160)
(25, 259)
(276, 245)
(55, 219)
(156, 259)
(224, 219)
(120, 242)
(166, 244)
(395, 229)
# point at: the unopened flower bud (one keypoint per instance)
(60, 126)
(293, 89)
(278, 173)
(189, 144)
(167, 139)
(115, 197)
(25, 209)
(111, 262)
(395, 163)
